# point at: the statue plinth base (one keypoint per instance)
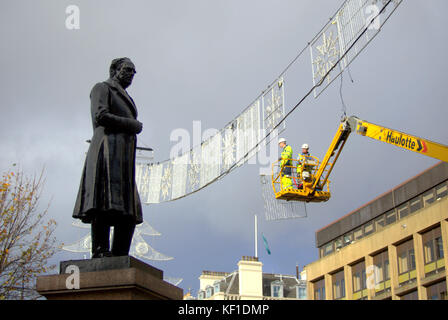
(114, 278)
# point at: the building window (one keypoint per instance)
(428, 197)
(386, 269)
(359, 277)
(328, 248)
(277, 289)
(338, 281)
(358, 234)
(406, 262)
(416, 204)
(391, 217)
(301, 292)
(437, 291)
(217, 287)
(201, 295)
(380, 223)
(348, 238)
(368, 228)
(319, 290)
(412, 264)
(403, 210)
(208, 291)
(413, 295)
(441, 191)
(381, 272)
(338, 244)
(433, 251)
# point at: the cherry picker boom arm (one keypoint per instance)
(399, 139)
(377, 132)
(333, 152)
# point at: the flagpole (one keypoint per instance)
(256, 237)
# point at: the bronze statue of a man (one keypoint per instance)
(108, 194)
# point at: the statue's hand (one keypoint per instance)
(131, 125)
(138, 127)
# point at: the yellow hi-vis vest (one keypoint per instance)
(286, 161)
(301, 162)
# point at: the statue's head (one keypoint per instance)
(122, 70)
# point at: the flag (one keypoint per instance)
(266, 244)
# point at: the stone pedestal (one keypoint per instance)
(113, 278)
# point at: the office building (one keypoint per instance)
(394, 247)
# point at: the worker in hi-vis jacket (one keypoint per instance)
(285, 164)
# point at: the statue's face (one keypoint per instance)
(125, 74)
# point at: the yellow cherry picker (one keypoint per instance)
(310, 176)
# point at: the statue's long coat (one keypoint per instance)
(108, 180)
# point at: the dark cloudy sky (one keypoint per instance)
(202, 60)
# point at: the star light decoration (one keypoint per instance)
(194, 171)
(166, 181)
(276, 210)
(273, 107)
(328, 55)
(139, 247)
(228, 150)
(142, 179)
